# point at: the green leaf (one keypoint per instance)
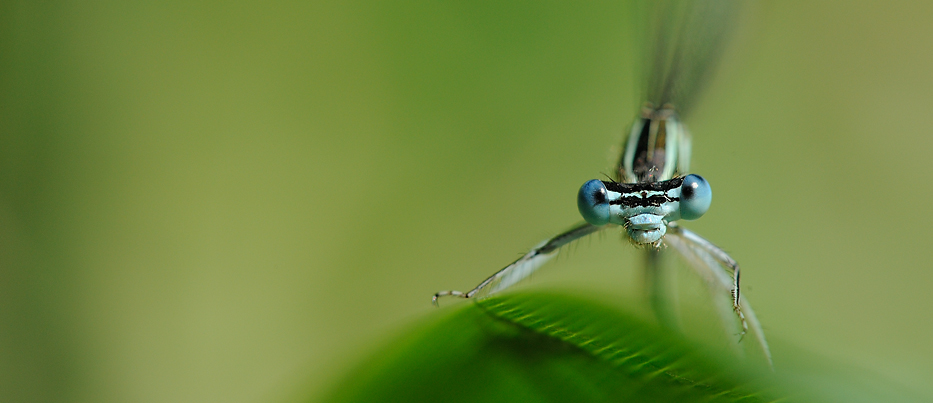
(543, 347)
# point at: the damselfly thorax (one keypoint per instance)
(657, 149)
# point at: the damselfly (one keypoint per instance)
(652, 189)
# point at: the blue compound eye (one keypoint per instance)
(592, 202)
(695, 197)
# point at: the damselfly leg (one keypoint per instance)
(524, 266)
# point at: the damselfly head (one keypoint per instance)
(644, 209)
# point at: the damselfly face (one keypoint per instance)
(644, 209)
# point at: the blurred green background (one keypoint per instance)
(238, 202)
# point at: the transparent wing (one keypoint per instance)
(524, 266)
(683, 43)
(721, 273)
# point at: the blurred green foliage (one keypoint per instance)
(215, 201)
(547, 347)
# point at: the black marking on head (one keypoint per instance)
(643, 188)
(651, 201)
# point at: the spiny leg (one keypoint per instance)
(703, 256)
(714, 278)
(721, 257)
(524, 266)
